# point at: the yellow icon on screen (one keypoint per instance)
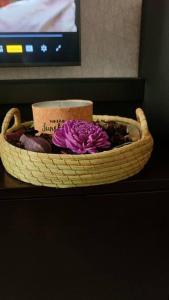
(14, 48)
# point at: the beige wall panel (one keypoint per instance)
(110, 33)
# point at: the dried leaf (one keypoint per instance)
(35, 144)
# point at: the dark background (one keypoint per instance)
(154, 65)
(102, 242)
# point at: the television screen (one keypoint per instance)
(39, 32)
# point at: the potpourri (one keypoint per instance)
(74, 137)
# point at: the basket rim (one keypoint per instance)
(121, 148)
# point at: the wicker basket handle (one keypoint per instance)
(143, 122)
(12, 113)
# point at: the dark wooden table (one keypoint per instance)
(103, 242)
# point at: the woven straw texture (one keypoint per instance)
(66, 170)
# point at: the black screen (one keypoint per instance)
(39, 32)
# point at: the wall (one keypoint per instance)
(110, 43)
(154, 67)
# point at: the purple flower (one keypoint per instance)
(81, 137)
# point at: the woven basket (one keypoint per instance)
(66, 170)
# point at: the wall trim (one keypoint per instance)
(110, 95)
(98, 89)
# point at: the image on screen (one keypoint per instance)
(39, 32)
